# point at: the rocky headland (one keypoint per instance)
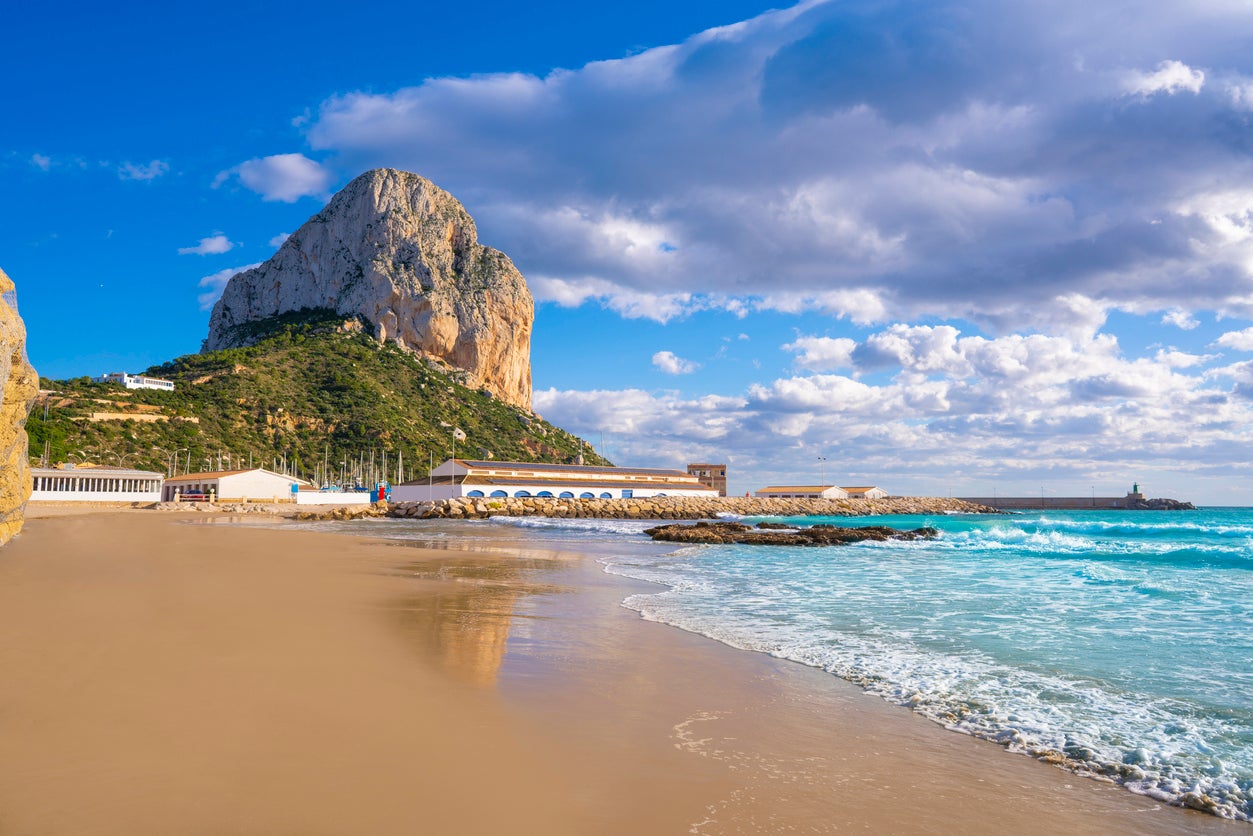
(403, 254)
(19, 384)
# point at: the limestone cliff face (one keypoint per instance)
(399, 251)
(19, 385)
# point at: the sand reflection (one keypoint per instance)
(460, 615)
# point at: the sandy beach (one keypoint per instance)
(167, 673)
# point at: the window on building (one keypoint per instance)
(475, 494)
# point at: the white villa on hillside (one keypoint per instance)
(461, 477)
(136, 381)
(228, 485)
(94, 484)
(804, 492)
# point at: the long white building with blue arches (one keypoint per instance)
(488, 479)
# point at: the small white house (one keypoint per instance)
(493, 479)
(233, 486)
(136, 381)
(866, 493)
(95, 484)
(803, 492)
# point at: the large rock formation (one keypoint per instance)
(19, 385)
(403, 254)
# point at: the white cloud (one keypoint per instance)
(282, 177)
(1237, 340)
(41, 161)
(670, 363)
(215, 244)
(151, 171)
(277, 240)
(1180, 319)
(1170, 77)
(800, 160)
(949, 411)
(215, 283)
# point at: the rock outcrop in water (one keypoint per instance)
(766, 534)
(398, 251)
(19, 385)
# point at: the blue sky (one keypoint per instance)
(949, 246)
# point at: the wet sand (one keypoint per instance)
(167, 674)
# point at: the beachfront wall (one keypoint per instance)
(233, 485)
(334, 498)
(97, 484)
(497, 480)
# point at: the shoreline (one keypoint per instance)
(574, 712)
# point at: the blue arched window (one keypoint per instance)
(567, 495)
(499, 493)
(475, 494)
(587, 495)
(545, 493)
(522, 493)
(606, 495)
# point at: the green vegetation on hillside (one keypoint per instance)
(313, 395)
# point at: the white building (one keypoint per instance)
(233, 486)
(461, 477)
(136, 381)
(804, 492)
(95, 484)
(866, 493)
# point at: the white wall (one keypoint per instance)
(334, 498)
(419, 493)
(254, 485)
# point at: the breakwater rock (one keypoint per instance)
(18, 386)
(765, 534)
(678, 507)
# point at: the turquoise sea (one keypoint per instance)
(1119, 644)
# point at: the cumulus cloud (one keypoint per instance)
(215, 244)
(946, 410)
(670, 363)
(878, 162)
(150, 171)
(1170, 77)
(277, 240)
(1238, 340)
(281, 177)
(215, 283)
(1180, 319)
(41, 161)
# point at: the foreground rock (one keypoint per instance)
(769, 535)
(18, 387)
(678, 507)
(402, 253)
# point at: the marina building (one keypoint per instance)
(712, 475)
(233, 486)
(136, 381)
(866, 493)
(804, 492)
(487, 479)
(95, 484)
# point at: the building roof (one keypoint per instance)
(802, 488)
(862, 490)
(567, 468)
(101, 470)
(218, 474)
(546, 482)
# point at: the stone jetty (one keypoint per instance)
(678, 507)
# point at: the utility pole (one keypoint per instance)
(822, 471)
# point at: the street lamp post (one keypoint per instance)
(822, 471)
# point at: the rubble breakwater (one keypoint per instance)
(678, 507)
(772, 534)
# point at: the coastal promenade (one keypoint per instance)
(680, 507)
